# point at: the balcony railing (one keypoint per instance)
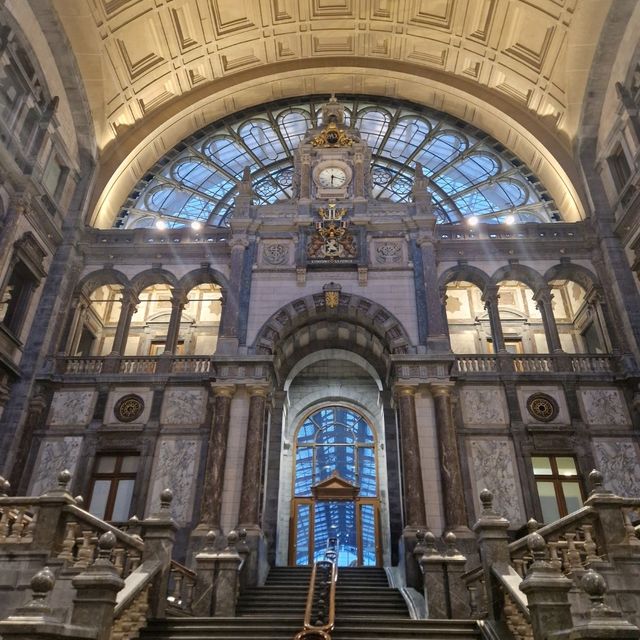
(470, 364)
(126, 365)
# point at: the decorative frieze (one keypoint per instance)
(484, 406)
(175, 468)
(183, 406)
(72, 408)
(603, 407)
(493, 467)
(619, 463)
(54, 455)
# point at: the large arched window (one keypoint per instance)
(471, 174)
(335, 490)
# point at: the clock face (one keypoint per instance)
(332, 178)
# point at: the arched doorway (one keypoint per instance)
(335, 488)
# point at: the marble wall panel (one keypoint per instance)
(175, 468)
(619, 463)
(483, 406)
(604, 406)
(555, 392)
(72, 408)
(493, 466)
(146, 393)
(54, 455)
(183, 406)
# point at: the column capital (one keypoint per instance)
(490, 293)
(179, 298)
(236, 242)
(402, 389)
(543, 294)
(260, 390)
(441, 389)
(128, 296)
(223, 390)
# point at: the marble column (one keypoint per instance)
(211, 505)
(490, 299)
(453, 500)
(249, 514)
(609, 332)
(73, 333)
(414, 507)
(437, 333)
(543, 299)
(178, 301)
(127, 309)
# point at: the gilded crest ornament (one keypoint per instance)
(331, 136)
(332, 240)
(129, 408)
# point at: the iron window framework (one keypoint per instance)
(558, 485)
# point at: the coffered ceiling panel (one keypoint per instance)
(152, 51)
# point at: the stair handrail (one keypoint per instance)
(320, 628)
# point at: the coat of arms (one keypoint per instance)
(331, 239)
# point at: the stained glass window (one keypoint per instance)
(470, 173)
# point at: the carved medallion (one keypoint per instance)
(276, 254)
(129, 408)
(542, 407)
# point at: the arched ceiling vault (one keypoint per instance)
(157, 70)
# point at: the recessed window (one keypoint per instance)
(15, 299)
(558, 486)
(53, 176)
(619, 166)
(112, 486)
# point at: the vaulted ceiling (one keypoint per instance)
(157, 70)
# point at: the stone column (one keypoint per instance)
(490, 299)
(453, 501)
(414, 508)
(211, 505)
(543, 298)
(252, 472)
(79, 306)
(437, 333)
(127, 309)
(178, 301)
(228, 339)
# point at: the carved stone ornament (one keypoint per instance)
(542, 407)
(275, 254)
(129, 408)
(388, 252)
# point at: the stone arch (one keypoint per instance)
(353, 309)
(204, 275)
(521, 273)
(466, 273)
(574, 272)
(150, 277)
(89, 283)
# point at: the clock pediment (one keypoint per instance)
(335, 488)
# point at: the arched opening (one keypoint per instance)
(98, 321)
(520, 319)
(200, 320)
(335, 488)
(579, 321)
(469, 327)
(150, 323)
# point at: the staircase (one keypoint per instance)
(366, 609)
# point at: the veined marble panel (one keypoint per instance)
(175, 467)
(72, 408)
(619, 463)
(483, 406)
(183, 406)
(55, 455)
(493, 467)
(603, 406)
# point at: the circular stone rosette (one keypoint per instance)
(129, 408)
(542, 407)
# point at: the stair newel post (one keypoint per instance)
(455, 565)
(50, 521)
(432, 569)
(96, 590)
(159, 532)
(547, 592)
(610, 514)
(206, 564)
(245, 553)
(227, 583)
(493, 542)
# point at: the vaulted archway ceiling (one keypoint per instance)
(156, 71)
(470, 174)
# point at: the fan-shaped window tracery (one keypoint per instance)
(470, 174)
